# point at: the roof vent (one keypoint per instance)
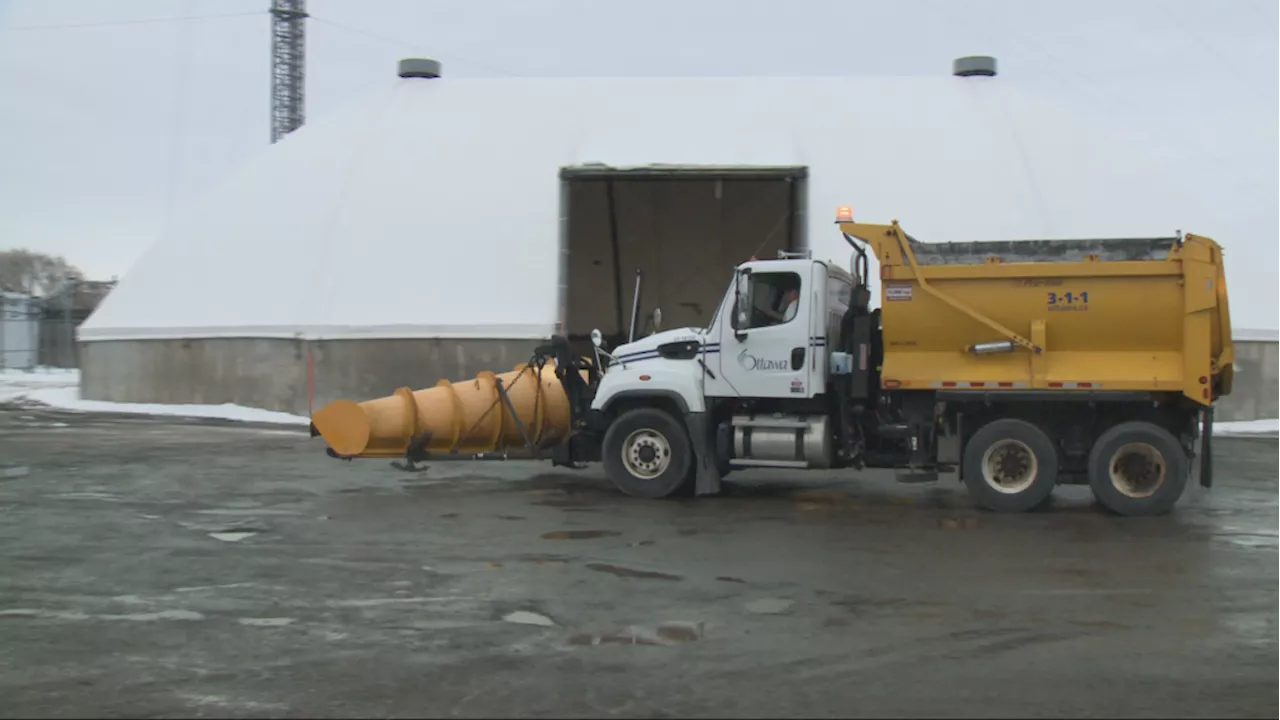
(419, 68)
(974, 65)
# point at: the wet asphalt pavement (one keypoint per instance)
(160, 568)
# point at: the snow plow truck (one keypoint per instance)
(1015, 365)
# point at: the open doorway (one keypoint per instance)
(683, 230)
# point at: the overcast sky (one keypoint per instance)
(109, 120)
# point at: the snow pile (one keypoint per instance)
(1248, 428)
(60, 389)
(17, 384)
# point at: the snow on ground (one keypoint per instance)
(59, 388)
(16, 383)
(1244, 428)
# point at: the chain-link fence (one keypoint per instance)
(41, 332)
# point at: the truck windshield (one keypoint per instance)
(716, 313)
(712, 322)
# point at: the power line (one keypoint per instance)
(414, 45)
(366, 33)
(1266, 17)
(112, 23)
(178, 114)
(1197, 40)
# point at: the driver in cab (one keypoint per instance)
(790, 302)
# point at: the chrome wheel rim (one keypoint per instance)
(1009, 466)
(646, 454)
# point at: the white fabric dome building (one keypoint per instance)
(439, 227)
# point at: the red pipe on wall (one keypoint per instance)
(311, 382)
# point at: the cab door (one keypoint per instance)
(765, 350)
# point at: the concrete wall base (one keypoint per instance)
(1255, 394)
(274, 374)
(284, 375)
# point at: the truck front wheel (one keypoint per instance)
(1138, 468)
(1010, 466)
(646, 453)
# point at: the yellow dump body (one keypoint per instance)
(1069, 315)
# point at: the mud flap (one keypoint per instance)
(706, 470)
(1206, 450)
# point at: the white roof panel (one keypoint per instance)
(429, 208)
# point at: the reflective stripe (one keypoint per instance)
(1002, 384)
(652, 353)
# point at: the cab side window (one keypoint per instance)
(774, 298)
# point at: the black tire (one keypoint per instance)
(1011, 439)
(1150, 469)
(663, 431)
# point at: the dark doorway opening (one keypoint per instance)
(683, 229)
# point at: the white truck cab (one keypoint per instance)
(766, 342)
(767, 339)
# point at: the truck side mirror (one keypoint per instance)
(740, 318)
(656, 319)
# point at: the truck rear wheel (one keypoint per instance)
(1010, 466)
(646, 453)
(1138, 468)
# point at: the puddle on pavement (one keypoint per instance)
(1253, 541)
(575, 484)
(627, 572)
(421, 484)
(577, 534)
(528, 617)
(735, 489)
(86, 492)
(959, 523)
(667, 633)
(990, 614)
(943, 499)
(857, 604)
(987, 633)
(1101, 624)
(1252, 628)
(830, 497)
(730, 579)
(564, 503)
(232, 536)
(621, 637)
(544, 559)
(1079, 573)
